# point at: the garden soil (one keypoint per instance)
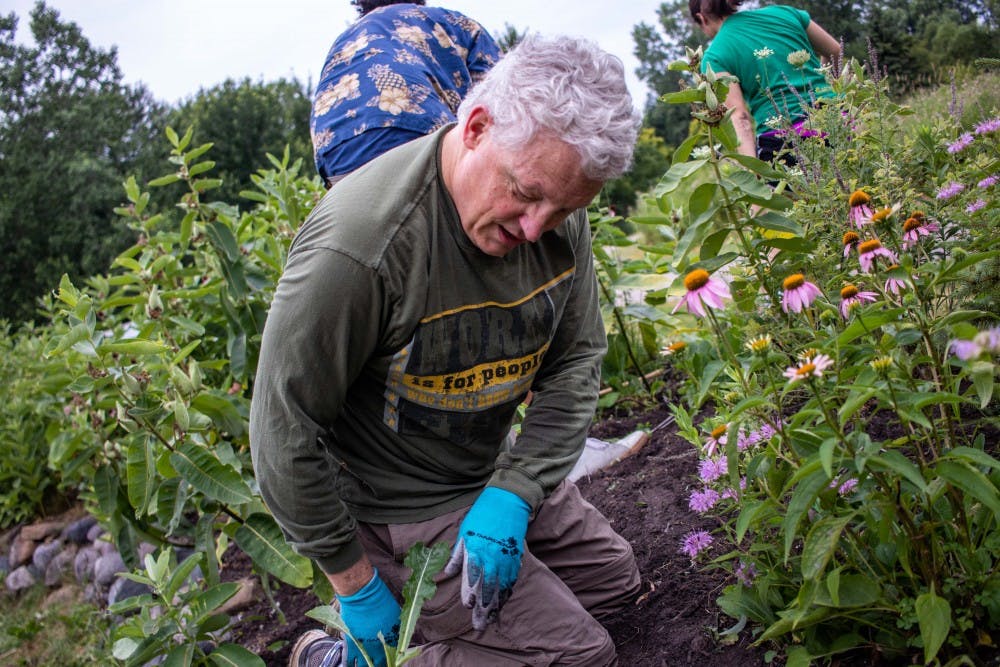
(673, 623)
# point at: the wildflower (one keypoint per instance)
(695, 542)
(850, 241)
(989, 181)
(712, 469)
(950, 190)
(881, 365)
(762, 53)
(881, 215)
(798, 293)
(798, 58)
(975, 206)
(860, 213)
(774, 122)
(869, 250)
(702, 501)
(893, 284)
(760, 344)
(807, 353)
(986, 126)
(984, 341)
(851, 297)
(914, 228)
(965, 349)
(848, 486)
(961, 143)
(812, 367)
(702, 290)
(673, 348)
(745, 573)
(715, 439)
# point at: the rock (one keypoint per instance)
(95, 532)
(92, 594)
(20, 579)
(77, 531)
(60, 565)
(245, 596)
(123, 588)
(83, 564)
(44, 553)
(104, 547)
(106, 567)
(39, 532)
(4, 565)
(21, 550)
(145, 549)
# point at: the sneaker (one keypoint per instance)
(317, 649)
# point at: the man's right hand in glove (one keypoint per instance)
(366, 613)
(488, 552)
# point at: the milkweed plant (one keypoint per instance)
(841, 376)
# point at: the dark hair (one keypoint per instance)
(719, 9)
(365, 6)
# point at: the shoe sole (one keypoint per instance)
(301, 643)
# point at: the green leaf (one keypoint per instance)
(207, 474)
(703, 203)
(855, 400)
(757, 166)
(234, 655)
(864, 323)
(164, 180)
(972, 482)
(821, 543)
(683, 151)
(775, 222)
(222, 238)
(848, 591)
(262, 540)
(206, 602)
(684, 96)
(329, 615)
(140, 470)
(753, 512)
(424, 563)
(222, 411)
(802, 498)
(180, 656)
(895, 462)
(136, 347)
(179, 576)
(973, 456)
(934, 618)
(200, 168)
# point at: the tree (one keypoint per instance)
(650, 160)
(69, 132)
(246, 120)
(510, 37)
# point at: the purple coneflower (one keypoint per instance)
(712, 469)
(695, 542)
(851, 296)
(975, 206)
(961, 143)
(990, 125)
(702, 290)
(989, 181)
(798, 293)
(811, 367)
(950, 190)
(704, 500)
(892, 284)
(716, 439)
(850, 241)
(869, 250)
(673, 348)
(914, 228)
(860, 213)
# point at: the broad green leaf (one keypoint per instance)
(685, 96)
(683, 151)
(934, 618)
(180, 656)
(136, 347)
(854, 401)
(973, 456)
(106, 489)
(865, 322)
(703, 203)
(164, 180)
(262, 540)
(749, 403)
(208, 601)
(953, 268)
(180, 575)
(826, 451)
(757, 166)
(753, 512)
(795, 619)
(983, 380)
(140, 470)
(329, 615)
(798, 656)
(207, 474)
(676, 175)
(234, 655)
(222, 411)
(972, 482)
(77, 334)
(895, 462)
(424, 563)
(821, 543)
(802, 498)
(200, 168)
(775, 222)
(223, 240)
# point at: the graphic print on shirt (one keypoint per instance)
(464, 362)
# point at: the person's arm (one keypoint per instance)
(483, 54)
(742, 120)
(823, 43)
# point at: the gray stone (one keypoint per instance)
(95, 532)
(92, 594)
(77, 531)
(21, 550)
(104, 547)
(20, 579)
(106, 567)
(4, 565)
(44, 553)
(123, 588)
(145, 549)
(60, 565)
(42, 531)
(83, 564)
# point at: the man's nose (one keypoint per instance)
(535, 221)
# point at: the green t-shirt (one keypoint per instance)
(772, 86)
(396, 353)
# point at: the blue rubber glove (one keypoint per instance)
(368, 612)
(488, 552)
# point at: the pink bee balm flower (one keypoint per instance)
(810, 367)
(695, 542)
(965, 349)
(950, 190)
(914, 228)
(991, 125)
(702, 290)
(988, 181)
(869, 250)
(975, 206)
(850, 297)
(702, 501)
(848, 486)
(798, 294)
(860, 213)
(712, 469)
(961, 143)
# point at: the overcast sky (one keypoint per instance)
(176, 47)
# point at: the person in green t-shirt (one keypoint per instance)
(775, 52)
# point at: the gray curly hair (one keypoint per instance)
(565, 86)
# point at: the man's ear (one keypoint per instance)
(478, 121)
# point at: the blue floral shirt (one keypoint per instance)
(397, 73)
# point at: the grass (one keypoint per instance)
(41, 631)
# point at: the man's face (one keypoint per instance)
(506, 198)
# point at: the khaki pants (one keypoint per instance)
(575, 570)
